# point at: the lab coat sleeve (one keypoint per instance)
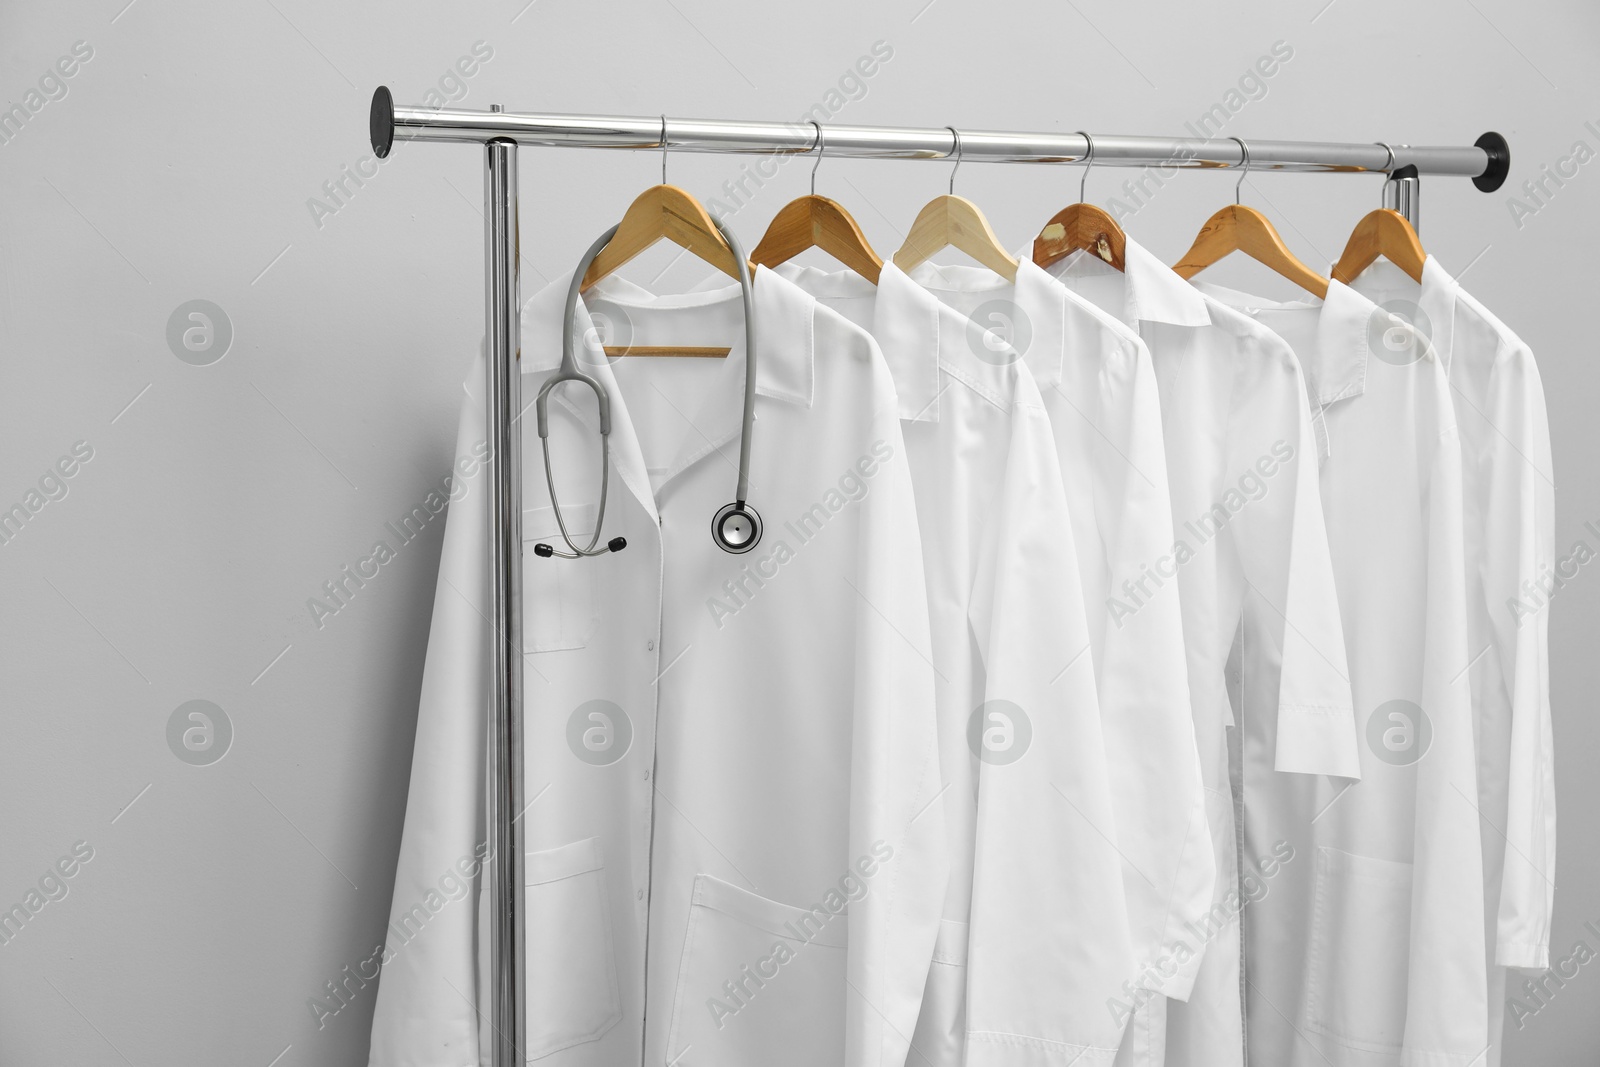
(1518, 556)
(1049, 945)
(1282, 540)
(425, 1014)
(1169, 867)
(894, 775)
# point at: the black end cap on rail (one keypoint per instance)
(381, 122)
(1499, 152)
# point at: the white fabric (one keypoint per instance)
(1035, 938)
(1512, 574)
(1099, 386)
(1368, 950)
(733, 748)
(1249, 553)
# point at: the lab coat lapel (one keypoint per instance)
(1041, 301)
(1338, 369)
(1438, 302)
(1157, 293)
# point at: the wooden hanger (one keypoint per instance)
(1383, 233)
(663, 211)
(1081, 226)
(1237, 228)
(952, 221)
(816, 222)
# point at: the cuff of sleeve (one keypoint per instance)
(1523, 954)
(1317, 740)
(1180, 984)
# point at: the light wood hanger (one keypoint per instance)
(1081, 226)
(664, 211)
(1237, 228)
(952, 221)
(816, 222)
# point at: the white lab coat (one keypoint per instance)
(1099, 387)
(1512, 574)
(1026, 983)
(731, 763)
(1249, 562)
(1368, 949)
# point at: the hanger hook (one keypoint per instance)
(1388, 168)
(1088, 162)
(955, 133)
(818, 163)
(663, 149)
(1244, 154)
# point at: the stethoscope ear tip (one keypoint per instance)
(736, 527)
(543, 550)
(617, 544)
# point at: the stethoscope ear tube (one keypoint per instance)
(736, 527)
(569, 372)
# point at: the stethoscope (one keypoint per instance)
(736, 527)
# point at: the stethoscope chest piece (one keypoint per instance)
(736, 528)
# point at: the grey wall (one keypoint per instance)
(182, 164)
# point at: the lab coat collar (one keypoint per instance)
(1155, 292)
(905, 323)
(1343, 328)
(1347, 326)
(1040, 301)
(1337, 369)
(1385, 283)
(919, 335)
(1058, 318)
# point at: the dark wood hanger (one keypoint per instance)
(1385, 233)
(1237, 228)
(1081, 226)
(817, 222)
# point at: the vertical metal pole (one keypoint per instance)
(504, 401)
(1403, 193)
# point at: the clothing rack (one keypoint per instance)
(1486, 162)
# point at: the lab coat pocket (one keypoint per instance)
(571, 969)
(940, 1039)
(560, 606)
(759, 982)
(1360, 948)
